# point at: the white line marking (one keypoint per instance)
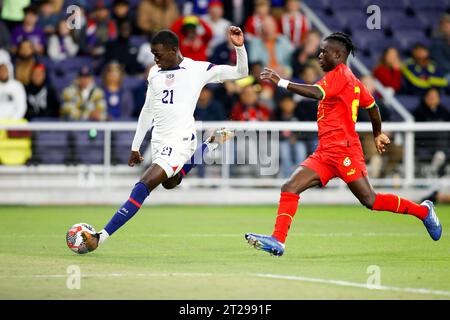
(257, 275)
(353, 284)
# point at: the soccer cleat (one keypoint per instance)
(266, 243)
(218, 137)
(431, 222)
(91, 240)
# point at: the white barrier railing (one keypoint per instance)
(408, 129)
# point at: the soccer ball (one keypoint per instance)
(74, 239)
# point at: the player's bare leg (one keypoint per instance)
(363, 190)
(151, 178)
(216, 138)
(302, 179)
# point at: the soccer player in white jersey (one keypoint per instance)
(174, 85)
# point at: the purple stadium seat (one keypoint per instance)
(131, 83)
(445, 101)
(317, 4)
(398, 21)
(387, 4)
(51, 147)
(88, 151)
(429, 18)
(423, 5)
(348, 5)
(409, 102)
(355, 19)
(408, 38)
(364, 38)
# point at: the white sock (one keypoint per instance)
(103, 236)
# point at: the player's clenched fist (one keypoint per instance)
(381, 141)
(135, 158)
(236, 36)
(269, 74)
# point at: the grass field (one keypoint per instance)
(198, 252)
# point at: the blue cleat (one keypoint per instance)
(431, 222)
(265, 243)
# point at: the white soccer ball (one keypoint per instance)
(74, 239)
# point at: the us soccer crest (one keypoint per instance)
(347, 161)
(170, 79)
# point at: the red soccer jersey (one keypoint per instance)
(343, 94)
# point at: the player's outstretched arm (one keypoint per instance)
(240, 70)
(305, 90)
(381, 140)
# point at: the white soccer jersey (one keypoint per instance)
(172, 97)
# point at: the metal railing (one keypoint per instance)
(407, 131)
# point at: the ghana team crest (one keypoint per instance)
(347, 162)
(170, 78)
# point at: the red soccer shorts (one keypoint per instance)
(346, 163)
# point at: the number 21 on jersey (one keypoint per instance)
(168, 97)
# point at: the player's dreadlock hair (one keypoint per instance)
(344, 39)
(167, 38)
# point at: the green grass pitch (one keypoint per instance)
(199, 252)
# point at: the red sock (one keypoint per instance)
(393, 203)
(286, 211)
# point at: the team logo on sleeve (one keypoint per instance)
(347, 162)
(170, 78)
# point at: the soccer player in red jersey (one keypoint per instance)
(339, 153)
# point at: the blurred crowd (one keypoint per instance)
(90, 62)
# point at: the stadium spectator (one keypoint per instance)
(194, 35)
(386, 165)
(248, 108)
(58, 4)
(84, 100)
(29, 30)
(224, 53)
(154, 15)
(421, 73)
(293, 24)
(80, 33)
(208, 109)
(123, 51)
(145, 56)
(119, 101)
(13, 12)
(309, 74)
(48, 18)
(254, 24)
(24, 61)
(62, 45)
(272, 49)
(237, 11)
(194, 7)
(306, 52)
(121, 12)
(388, 69)
(218, 24)
(13, 102)
(42, 100)
(432, 145)
(100, 29)
(430, 108)
(292, 150)
(5, 36)
(440, 48)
